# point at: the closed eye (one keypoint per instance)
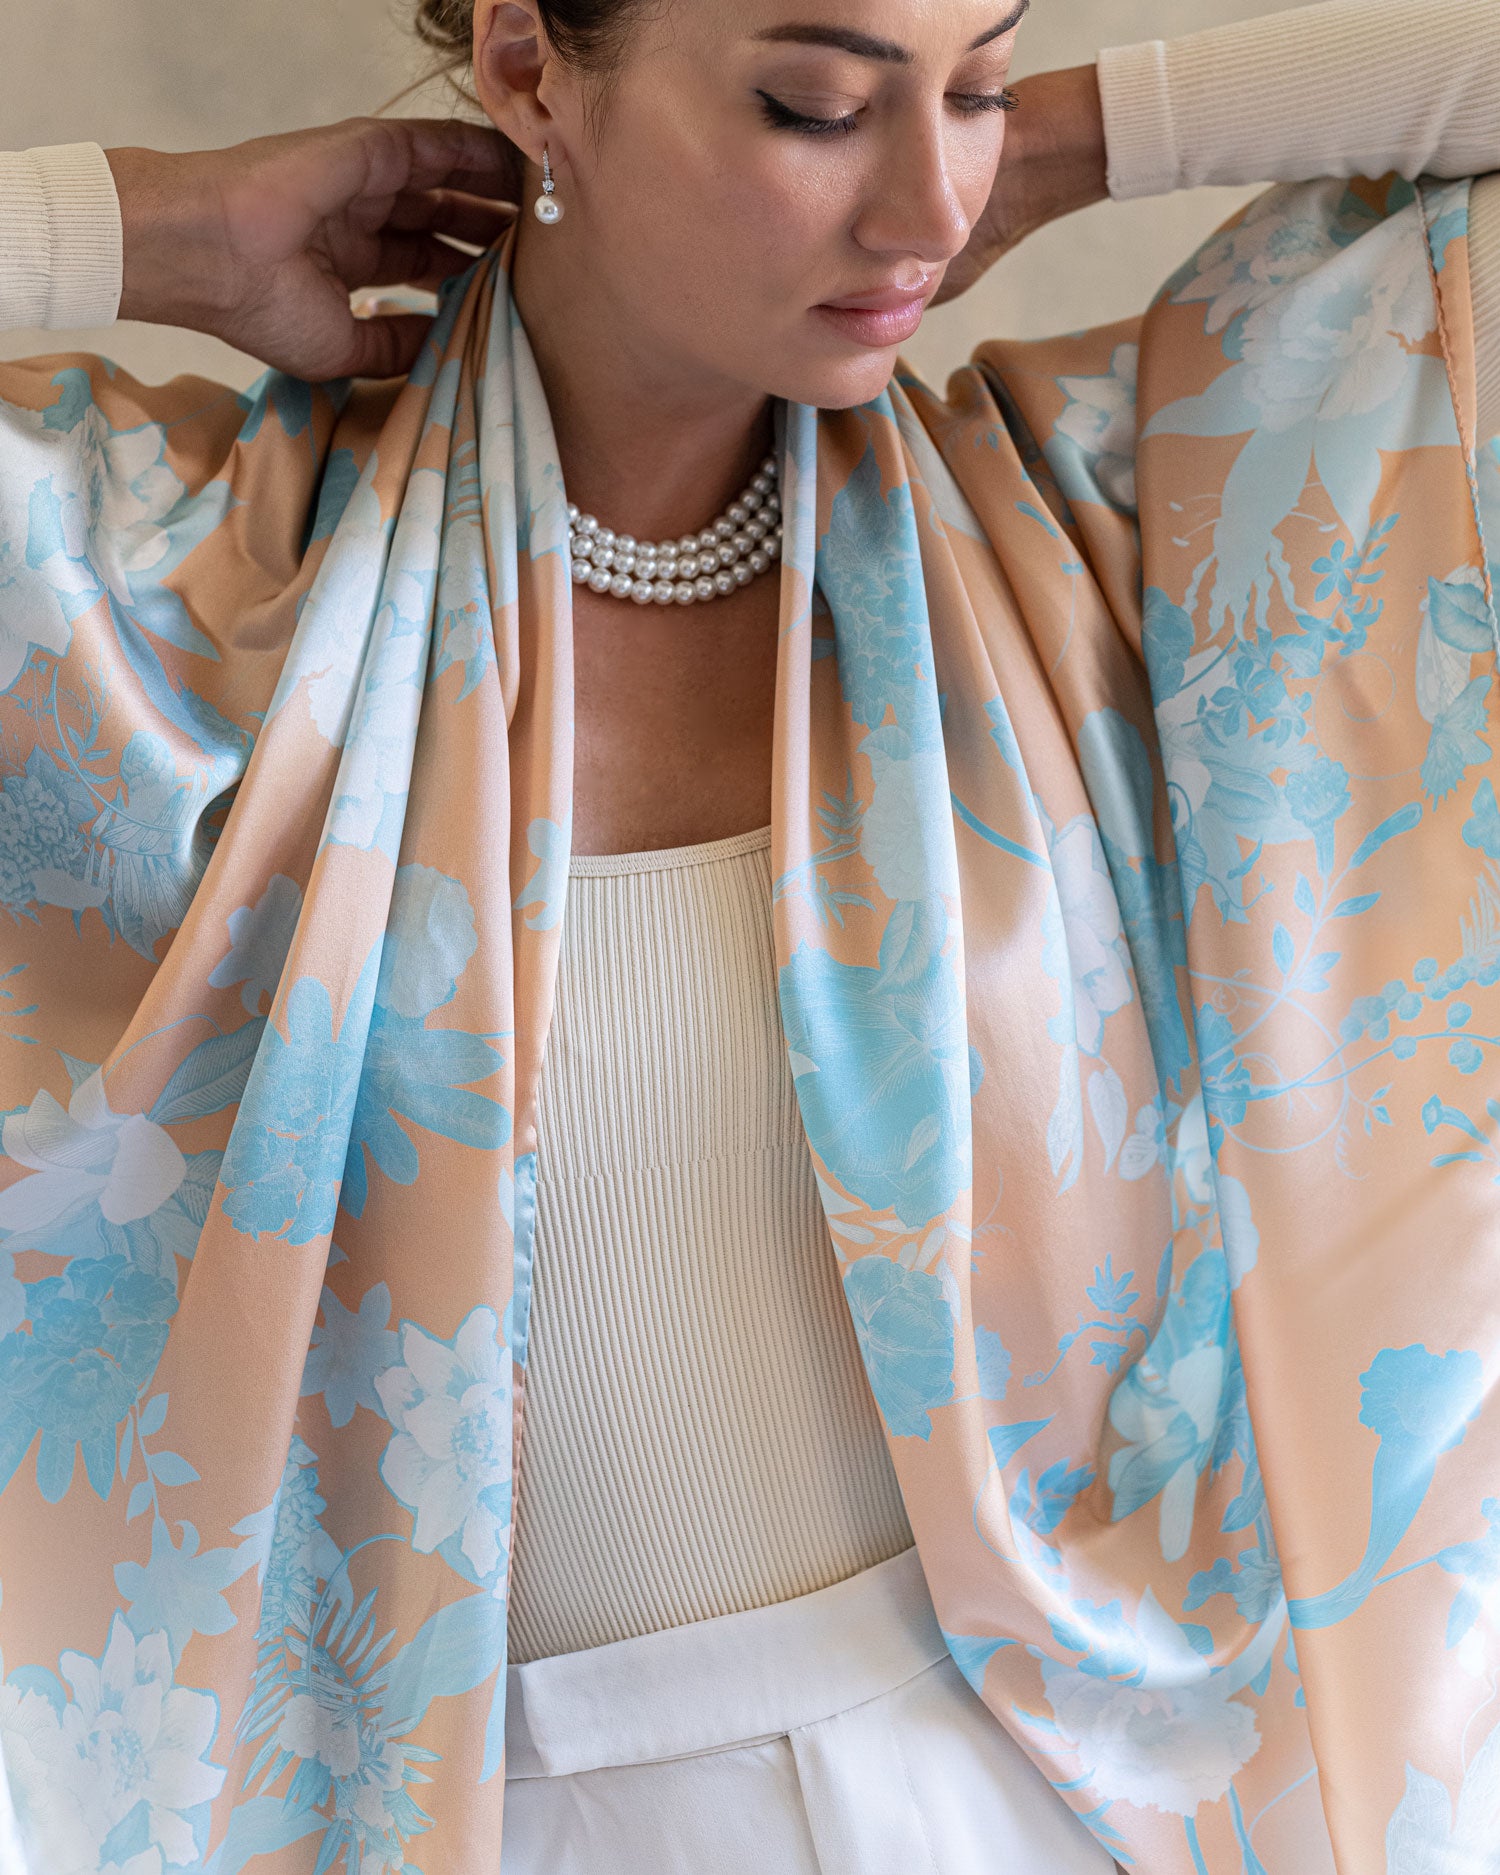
(783, 117)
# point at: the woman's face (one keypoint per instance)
(759, 159)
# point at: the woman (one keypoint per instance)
(322, 701)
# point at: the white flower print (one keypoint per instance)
(1100, 418)
(84, 1155)
(127, 1737)
(450, 1461)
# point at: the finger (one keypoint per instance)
(473, 158)
(417, 260)
(445, 211)
(385, 347)
(399, 154)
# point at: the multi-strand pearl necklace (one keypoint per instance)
(729, 553)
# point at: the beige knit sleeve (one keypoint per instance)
(1346, 88)
(61, 250)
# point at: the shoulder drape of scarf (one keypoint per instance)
(1138, 918)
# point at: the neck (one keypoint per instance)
(646, 444)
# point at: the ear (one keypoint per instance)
(511, 55)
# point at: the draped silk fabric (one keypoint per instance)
(1138, 919)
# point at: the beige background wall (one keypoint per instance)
(186, 74)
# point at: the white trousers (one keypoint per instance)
(827, 1735)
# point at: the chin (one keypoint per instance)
(832, 385)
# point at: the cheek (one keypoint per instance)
(738, 235)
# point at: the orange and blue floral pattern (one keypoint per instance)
(1137, 861)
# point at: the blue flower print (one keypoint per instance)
(44, 857)
(1092, 452)
(905, 1331)
(449, 1403)
(877, 597)
(281, 1171)
(1419, 1404)
(882, 1066)
(1318, 795)
(97, 1333)
(1337, 568)
(1167, 1409)
(178, 1590)
(349, 1349)
(260, 936)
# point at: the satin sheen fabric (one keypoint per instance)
(1138, 926)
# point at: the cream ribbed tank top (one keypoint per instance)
(699, 1436)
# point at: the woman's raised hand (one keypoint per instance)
(262, 244)
(1054, 162)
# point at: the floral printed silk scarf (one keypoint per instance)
(1137, 862)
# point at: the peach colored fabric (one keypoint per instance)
(1137, 863)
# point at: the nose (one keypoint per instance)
(917, 203)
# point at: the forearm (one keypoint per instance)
(1345, 88)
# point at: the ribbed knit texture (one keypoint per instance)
(700, 1436)
(1345, 88)
(61, 256)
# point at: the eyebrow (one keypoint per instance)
(864, 46)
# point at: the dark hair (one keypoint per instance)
(588, 34)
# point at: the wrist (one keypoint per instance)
(173, 259)
(1063, 160)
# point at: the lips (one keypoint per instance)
(888, 299)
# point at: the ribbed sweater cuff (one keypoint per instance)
(1345, 88)
(61, 246)
(1138, 131)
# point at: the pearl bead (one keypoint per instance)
(743, 573)
(605, 537)
(581, 571)
(757, 530)
(599, 579)
(586, 524)
(723, 527)
(643, 592)
(773, 548)
(687, 543)
(683, 592)
(572, 513)
(668, 567)
(758, 561)
(704, 588)
(742, 543)
(728, 553)
(723, 582)
(687, 566)
(664, 592)
(621, 585)
(626, 543)
(751, 500)
(548, 209)
(738, 513)
(760, 483)
(603, 557)
(707, 540)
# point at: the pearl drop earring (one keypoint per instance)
(548, 208)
